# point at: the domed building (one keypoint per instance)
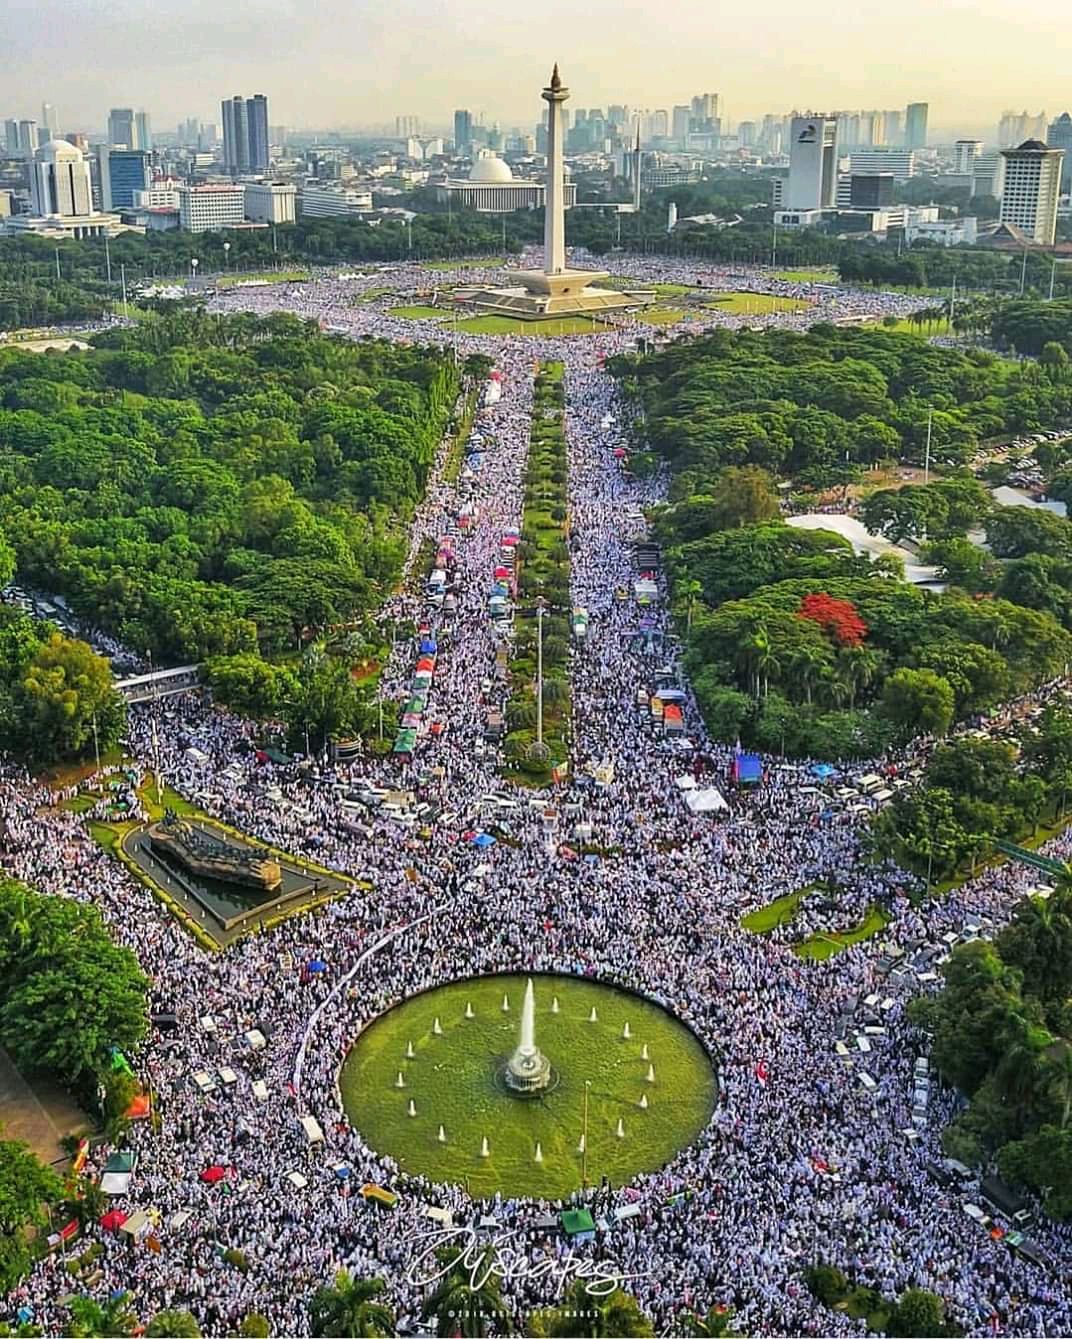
(492, 188)
(61, 193)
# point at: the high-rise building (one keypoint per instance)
(257, 122)
(29, 138)
(50, 120)
(122, 172)
(812, 164)
(988, 175)
(12, 140)
(915, 133)
(60, 181)
(746, 134)
(245, 134)
(463, 130)
(1059, 136)
(1032, 185)
(270, 202)
(660, 123)
(965, 152)
(901, 162)
(407, 126)
(1015, 127)
(123, 128)
(209, 208)
(143, 133)
(679, 124)
(894, 133)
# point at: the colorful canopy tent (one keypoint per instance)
(747, 769)
(113, 1220)
(387, 1199)
(428, 647)
(822, 770)
(577, 1222)
(405, 741)
(213, 1175)
(706, 801)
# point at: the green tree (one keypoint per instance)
(173, 1325)
(101, 1320)
(255, 1326)
(66, 686)
(917, 1314)
(918, 701)
(465, 1299)
(587, 1316)
(349, 1307)
(250, 686)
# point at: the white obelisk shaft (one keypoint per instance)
(554, 227)
(527, 1045)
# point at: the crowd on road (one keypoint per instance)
(800, 1161)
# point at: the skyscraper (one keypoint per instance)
(142, 132)
(12, 140)
(679, 124)
(29, 139)
(121, 172)
(812, 163)
(257, 123)
(915, 136)
(966, 151)
(235, 134)
(60, 181)
(463, 130)
(1059, 136)
(122, 128)
(1032, 185)
(50, 120)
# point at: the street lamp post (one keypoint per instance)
(194, 262)
(227, 255)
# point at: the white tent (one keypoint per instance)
(706, 801)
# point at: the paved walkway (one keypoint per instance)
(38, 1116)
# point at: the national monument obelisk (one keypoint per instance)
(555, 290)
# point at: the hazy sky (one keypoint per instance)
(359, 62)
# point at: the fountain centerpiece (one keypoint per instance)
(528, 1070)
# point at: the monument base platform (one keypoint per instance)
(535, 296)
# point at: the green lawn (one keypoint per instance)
(756, 304)
(663, 290)
(454, 1082)
(941, 327)
(816, 276)
(819, 947)
(418, 313)
(372, 294)
(782, 909)
(272, 276)
(479, 263)
(662, 315)
(507, 325)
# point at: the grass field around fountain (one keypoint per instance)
(454, 1080)
(755, 304)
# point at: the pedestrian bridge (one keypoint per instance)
(160, 683)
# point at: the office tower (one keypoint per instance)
(1032, 185)
(746, 134)
(208, 137)
(121, 173)
(812, 163)
(679, 124)
(901, 162)
(50, 121)
(235, 134)
(988, 175)
(257, 125)
(1015, 127)
(1059, 136)
(13, 143)
(29, 138)
(660, 124)
(965, 152)
(122, 128)
(407, 126)
(270, 202)
(915, 136)
(463, 130)
(143, 134)
(209, 208)
(894, 133)
(60, 181)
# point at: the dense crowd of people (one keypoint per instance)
(799, 1161)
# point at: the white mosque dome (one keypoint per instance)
(490, 171)
(59, 148)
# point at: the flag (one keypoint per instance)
(761, 1073)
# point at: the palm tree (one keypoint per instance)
(585, 1316)
(173, 1325)
(1018, 1071)
(858, 666)
(349, 1308)
(714, 1325)
(96, 1320)
(808, 662)
(460, 1308)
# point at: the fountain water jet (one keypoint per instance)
(529, 1070)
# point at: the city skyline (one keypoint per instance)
(179, 60)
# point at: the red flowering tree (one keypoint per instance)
(839, 619)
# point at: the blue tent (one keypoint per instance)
(316, 966)
(428, 647)
(822, 770)
(483, 840)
